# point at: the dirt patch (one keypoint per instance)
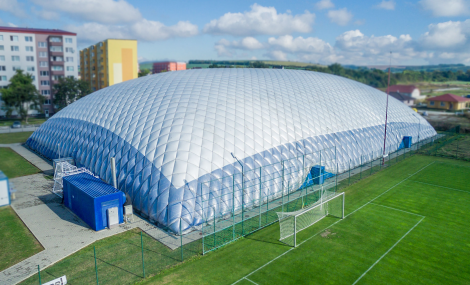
(327, 234)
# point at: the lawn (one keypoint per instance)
(17, 242)
(19, 137)
(119, 260)
(31, 121)
(408, 218)
(415, 230)
(13, 165)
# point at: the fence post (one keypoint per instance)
(214, 228)
(142, 247)
(380, 162)
(202, 226)
(282, 207)
(349, 166)
(96, 266)
(360, 173)
(288, 195)
(371, 167)
(182, 252)
(282, 186)
(398, 152)
(336, 186)
(233, 207)
(39, 275)
(457, 151)
(260, 195)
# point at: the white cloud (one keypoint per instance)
(300, 44)
(340, 16)
(248, 43)
(446, 8)
(386, 5)
(152, 30)
(102, 11)
(324, 4)
(447, 35)
(13, 7)
(225, 47)
(356, 48)
(260, 21)
(277, 55)
(45, 14)
(222, 50)
(143, 30)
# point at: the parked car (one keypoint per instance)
(16, 125)
(425, 114)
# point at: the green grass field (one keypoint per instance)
(17, 241)
(19, 137)
(407, 224)
(13, 165)
(31, 121)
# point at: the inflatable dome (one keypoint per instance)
(171, 131)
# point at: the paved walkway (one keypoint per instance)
(34, 159)
(59, 231)
(4, 130)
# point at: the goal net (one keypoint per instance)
(291, 223)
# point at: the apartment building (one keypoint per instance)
(109, 62)
(45, 54)
(168, 66)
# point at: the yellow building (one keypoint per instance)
(449, 102)
(109, 62)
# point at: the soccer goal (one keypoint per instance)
(291, 223)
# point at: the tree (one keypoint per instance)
(259, 64)
(69, 90)
(144, 72)
(21, 95)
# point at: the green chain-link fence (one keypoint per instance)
(133, 255)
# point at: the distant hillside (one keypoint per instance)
(146, 65)
(241, 63)
(427, 68)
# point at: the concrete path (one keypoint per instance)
(4, 130)
(59, 231)
(34, 159)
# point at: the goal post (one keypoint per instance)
(291, 223)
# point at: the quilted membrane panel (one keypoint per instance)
(171, 131)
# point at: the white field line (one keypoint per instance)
(378, 260)
(279, 256)
(398, 210)
(454, 189)
(389, 189)
(251, 281)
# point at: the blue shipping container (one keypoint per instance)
(89, 198)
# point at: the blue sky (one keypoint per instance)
(322, 31)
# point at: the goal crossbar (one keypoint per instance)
(291, 223)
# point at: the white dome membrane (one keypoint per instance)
(171, 131)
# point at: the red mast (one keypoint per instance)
(386, 109)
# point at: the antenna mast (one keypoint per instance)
(386, 108)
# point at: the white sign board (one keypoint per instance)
(4, 193)
(59, 281)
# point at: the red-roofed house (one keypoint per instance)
(409, 90)
(449, 102)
